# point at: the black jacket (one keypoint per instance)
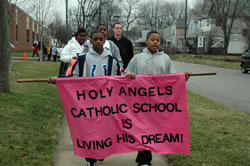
(126, 49)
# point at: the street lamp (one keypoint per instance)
(185, 28)
(66, 1)
(100, 12)
(116, 17)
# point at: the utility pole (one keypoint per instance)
(66, 17)
(100, 12)
(40, 30)
(185, 30)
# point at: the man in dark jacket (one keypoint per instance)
(124, 44)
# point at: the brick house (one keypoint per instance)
(24, 29)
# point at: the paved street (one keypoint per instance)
(229, 87)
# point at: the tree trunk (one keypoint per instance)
(4, 48)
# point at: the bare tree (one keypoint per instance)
(227, 11)
(15, 3)
(85, 14)
(43, 8)
(246, 32)
(111, 11)
(131, 12)
(147, 14)
(176, 11)
(159, 14)
(4, 48)
(58, 29)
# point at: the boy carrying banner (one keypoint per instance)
(150, 61)
(97, 62)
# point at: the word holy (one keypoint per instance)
(128, 91)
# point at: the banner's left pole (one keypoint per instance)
(33, 80)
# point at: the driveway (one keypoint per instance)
(229, 87)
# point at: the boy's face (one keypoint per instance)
(153, 42)
(103, 29)
(81, 37)
(97, 41)
(117, 29)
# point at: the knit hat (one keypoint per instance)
(80, 30)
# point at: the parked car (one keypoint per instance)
(245, 61)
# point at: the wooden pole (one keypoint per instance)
(47, 79)
(201, 74)
(33, 80)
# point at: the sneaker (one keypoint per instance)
(91, 164)
(145, 164)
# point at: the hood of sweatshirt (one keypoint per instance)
(104, 53)
(146, 51)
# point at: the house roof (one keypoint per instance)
(144, 36)
(180, 23)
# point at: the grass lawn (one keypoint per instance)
(31, 114)
(30, 117)
(218, 135)
(215, 60)
(21, 53)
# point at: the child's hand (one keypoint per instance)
(187, 75)
(52, 80)
(122, 69)
(130, 75)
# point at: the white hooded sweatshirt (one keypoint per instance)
(70, 50)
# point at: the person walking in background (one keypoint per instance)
(59, 51)
(54, 52)
(44, 52)
(49, 52)
(109, 44)
(74, 46)
(35, 49)
(124, 44)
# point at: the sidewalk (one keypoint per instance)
(64, 153)
(27, 58)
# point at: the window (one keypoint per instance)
(16, 32)
(28, 36)
(169, 44)
(218, 22)
(16, 16)
(33, 25)
(28, 23)
(245, 32)
(33, 36)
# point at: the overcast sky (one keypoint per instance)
(73, 3)
(61, 6)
